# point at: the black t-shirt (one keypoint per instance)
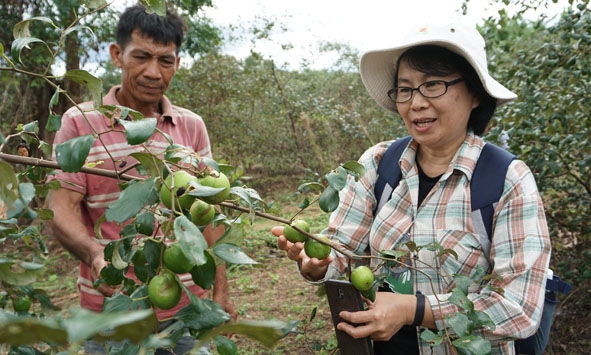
(405, 342)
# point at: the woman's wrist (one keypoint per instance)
(419, 310)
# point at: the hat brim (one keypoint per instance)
(377, 69)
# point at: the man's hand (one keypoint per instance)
(98, 263)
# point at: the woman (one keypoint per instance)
(437, 80)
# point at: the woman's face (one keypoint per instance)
(439, 123)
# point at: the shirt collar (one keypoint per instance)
(167, 108)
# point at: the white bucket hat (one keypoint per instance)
(377, 66)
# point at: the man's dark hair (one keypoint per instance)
(162, 29)
(440, 61)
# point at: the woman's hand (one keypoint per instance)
(383, 319)
(310, 267)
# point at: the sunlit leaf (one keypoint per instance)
(72, 154)
(21, 29)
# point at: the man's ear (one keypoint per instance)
(115, 52)
(178, 62)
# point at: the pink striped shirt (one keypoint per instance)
(184, 128)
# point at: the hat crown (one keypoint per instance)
(459, 38)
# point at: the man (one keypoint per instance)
(147, 52)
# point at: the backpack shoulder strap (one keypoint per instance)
(389, 172)
(486, 187)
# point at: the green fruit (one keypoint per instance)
(293, 235)
(164, 291)
(182, 179)
(21, 304)
(201, 212)
(219, 181)
(362, 278)
(175, 260)
(315, 249)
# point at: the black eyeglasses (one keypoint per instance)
(429, 89)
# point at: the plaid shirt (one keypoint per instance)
(520, 247)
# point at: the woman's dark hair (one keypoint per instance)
(162, 29)
(440, 61)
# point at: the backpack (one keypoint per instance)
(486, 189)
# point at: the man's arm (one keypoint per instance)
(73, 236)
(221, 292)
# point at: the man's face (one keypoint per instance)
(147, 69)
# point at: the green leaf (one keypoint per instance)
(431, 338)
(31, 127)
(8, 184)
(232, 254)
(472, 344)
(54, 99)
(95, 4)
(54, 123)
(337, 180)
(21, 29)
(459, 322)
(139, 131)
(204, 275)
(225, 346)
(192, 242)
(71, 155)
(18, 45)
(92, 83)
(19, 273)
(155, 6)
(131, 201)
(267, 332)
(329, 199)
(29, 330)
(135, 326)
(202, 314)
(150, 162)
(355, 169)
(463, 282)
(482, 319)
(459, 298)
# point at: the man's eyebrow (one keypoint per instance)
(146, 53)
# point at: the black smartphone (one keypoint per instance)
(342, 296)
